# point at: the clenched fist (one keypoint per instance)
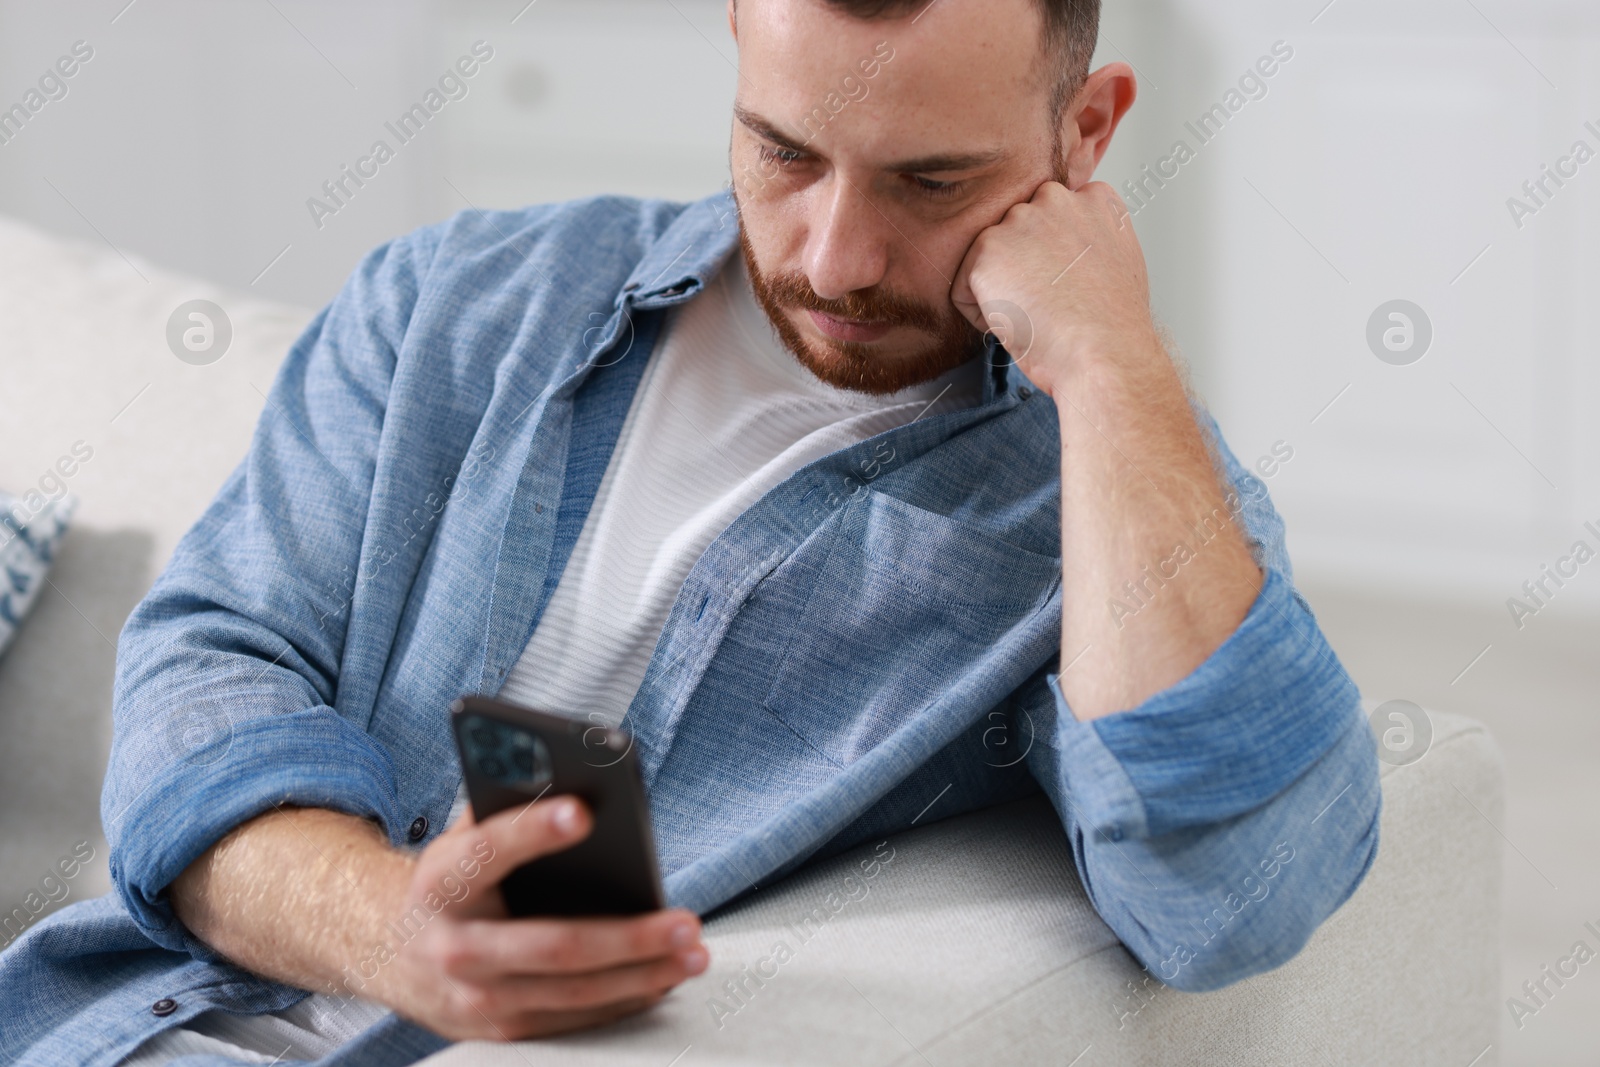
(1067, 263)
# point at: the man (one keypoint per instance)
(751, 478)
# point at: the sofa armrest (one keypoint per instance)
(971, 941)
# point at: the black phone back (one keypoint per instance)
(511, 755)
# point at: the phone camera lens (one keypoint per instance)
(511, 757)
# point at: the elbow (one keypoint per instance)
(1220, 957)
(1268, 921)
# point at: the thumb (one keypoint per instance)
(961, 294)
(489, 851)
(520, 834)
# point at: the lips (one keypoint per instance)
(848, 329)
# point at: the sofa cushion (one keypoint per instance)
(88, 372)
(971, 941)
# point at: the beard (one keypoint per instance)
(857, 366)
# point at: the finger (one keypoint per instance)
(1118, 209)
(541, 1024)
(572, 946)
(508, 839)
(1050, 187)
(961, 294)
(1110, 202)
(578, 992)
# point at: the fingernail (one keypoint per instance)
(694, 961)
(682, 935)
(565, 817)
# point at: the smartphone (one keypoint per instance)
(511, 755)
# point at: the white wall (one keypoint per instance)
(201, 127)
(1376, 167)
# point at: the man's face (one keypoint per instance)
(866, 156)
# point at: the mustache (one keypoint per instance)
(790, 288)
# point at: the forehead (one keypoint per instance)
(963, 74)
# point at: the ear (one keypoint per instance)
(733, 22)
(1089, 120)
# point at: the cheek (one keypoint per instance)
(776, 222)
(932, 252)
(945, 237)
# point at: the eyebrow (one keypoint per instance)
(920, 165)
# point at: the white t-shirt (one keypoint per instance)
(723, 413)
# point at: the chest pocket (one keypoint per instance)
(897, 602)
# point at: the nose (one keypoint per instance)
(847, 249)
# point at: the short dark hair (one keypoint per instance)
(1071, 29)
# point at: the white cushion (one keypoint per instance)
(86, 360)
(977, 945)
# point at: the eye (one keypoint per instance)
(781, 156)
(933, 189)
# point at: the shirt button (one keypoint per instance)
(164, 1006)
(419, 827)
(1024, 393)
(1116, 833)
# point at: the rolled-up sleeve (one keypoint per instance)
(227, 671)
(1219, 822)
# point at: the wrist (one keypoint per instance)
(1112, 371)
(384, 900)
(1127, 346)
(1091, 355)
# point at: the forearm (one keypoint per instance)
(295, 894)
(1158, 565)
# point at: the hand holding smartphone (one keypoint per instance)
(511, 755)
(575, 936)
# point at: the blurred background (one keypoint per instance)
(1383, 160)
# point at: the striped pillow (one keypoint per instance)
(28, 542)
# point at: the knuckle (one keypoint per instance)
(477, 1002)
(517, 1028)
(578, 992)
(641, 939)
(566, 948)
(452, 953)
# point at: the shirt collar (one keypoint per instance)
(686, 255)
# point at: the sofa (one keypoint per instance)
(973, 943)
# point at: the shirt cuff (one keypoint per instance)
(1255, 715)
(312, 758)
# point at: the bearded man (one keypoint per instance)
(817, 487)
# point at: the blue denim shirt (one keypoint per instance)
(871, 643)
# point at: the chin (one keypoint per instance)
(873, 368)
